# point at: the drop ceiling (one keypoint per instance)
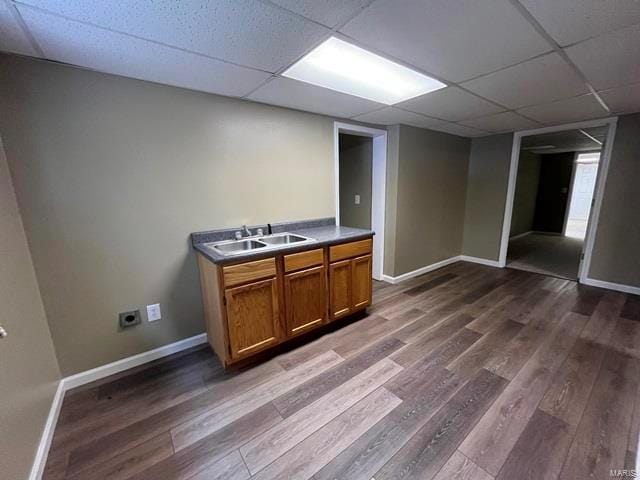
(587, 139)
(508, 64)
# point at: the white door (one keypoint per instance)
(584, 184)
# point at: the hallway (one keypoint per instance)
(547, 254)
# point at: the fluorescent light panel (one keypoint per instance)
(343, 67)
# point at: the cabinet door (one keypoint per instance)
(305, 299)
(361, 283)
(340, 287)
(253, 317)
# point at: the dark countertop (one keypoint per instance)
(322, 235)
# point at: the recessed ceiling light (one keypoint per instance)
(343, 67)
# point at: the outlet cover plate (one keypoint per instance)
(153, 312)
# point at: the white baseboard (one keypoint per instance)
(89, 376)
(520, 235)
(97, 373)
(619, 287)
(481, 261)
(420, 271)
(40, 460)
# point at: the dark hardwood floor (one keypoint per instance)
(468, 372)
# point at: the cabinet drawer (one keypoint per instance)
(348, 250)
(298, 261)
(247, 272)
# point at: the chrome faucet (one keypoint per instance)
(244, 230)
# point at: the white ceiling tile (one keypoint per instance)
(286, 92)
(574, 109)
(247, 32)
(451, 103)
(460, 130)
(541, 80)
(79, 44)
(623, 99)
(611, 60)
(12, 37)
(456, 40)
(570, 21)
(327, 12)
(501, 122)
(394, 116)
(567, 140)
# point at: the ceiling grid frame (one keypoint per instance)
(335, 31)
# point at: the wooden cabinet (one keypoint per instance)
(253, 317)
(252, 306)
(361, 282)
(246, 272)
(350, 284)
(340, 283)
(298, 261)
(350, 250)
(305, 299)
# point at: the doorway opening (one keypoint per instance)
(555, 189)
(356, 165)
(360, 177)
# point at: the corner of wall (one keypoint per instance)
(391, 199)
(487, 184)
(29, 406)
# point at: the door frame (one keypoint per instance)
(601, 179)
(378, 184)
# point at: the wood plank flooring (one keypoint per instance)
(468, 372)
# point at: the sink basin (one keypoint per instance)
(235, 247)
(283, 239)
(239, 246)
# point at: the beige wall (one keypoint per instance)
(616, 253)
(616, 256)
(430, 197)
(355, 179)
(486, 195)
(113, 174)
(524, 201)
(28, 369)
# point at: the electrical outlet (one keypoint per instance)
(153, 312)
(357, 199)
(129, 319)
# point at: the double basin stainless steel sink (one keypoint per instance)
(235, 247)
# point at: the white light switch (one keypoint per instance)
(357, 199)
(153, 312)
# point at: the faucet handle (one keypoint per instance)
(260, 232)
(238, 235)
